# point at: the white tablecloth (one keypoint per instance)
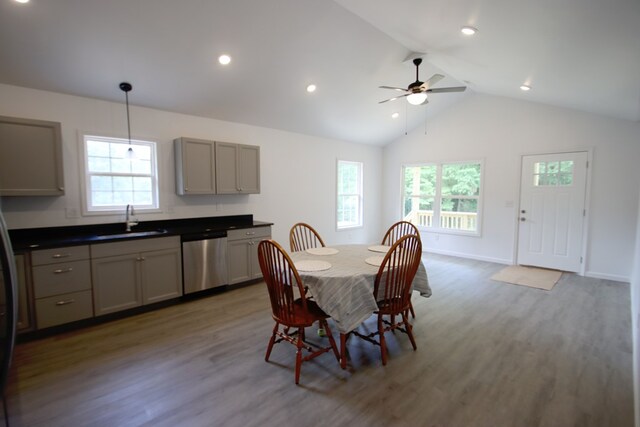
(345, 291)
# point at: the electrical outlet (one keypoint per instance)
(71, 213)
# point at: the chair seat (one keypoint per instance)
(384, 306)
(305, 318)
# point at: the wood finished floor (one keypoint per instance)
(489, 354)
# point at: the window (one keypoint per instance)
(553, 174)
(443, 196)
(114, 180)
(349, 203)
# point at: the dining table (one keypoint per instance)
(341, 280)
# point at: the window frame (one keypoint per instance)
(359, 194)
(87, 208)
(438, 196)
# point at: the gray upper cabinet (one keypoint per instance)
(237, 168)
(30, 158)
(195, 166)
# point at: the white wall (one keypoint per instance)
(500, 130)
(635, 321)
(298, 172)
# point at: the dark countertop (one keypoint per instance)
(25, 239)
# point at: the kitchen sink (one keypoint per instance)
(129, 235)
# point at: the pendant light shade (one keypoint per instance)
(126, 88)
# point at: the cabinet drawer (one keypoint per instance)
(50, 256)
(249, 233)
(134, 246)
(65, 308)
(61, 278)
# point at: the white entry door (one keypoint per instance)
(552, 210)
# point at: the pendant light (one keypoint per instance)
(126, 88)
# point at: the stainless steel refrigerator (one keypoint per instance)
(8, 309)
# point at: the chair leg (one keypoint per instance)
(299, 344)
(409, 328)
(325, 325)
(413, 313)
(383, 343)
(271, 341)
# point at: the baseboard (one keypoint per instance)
(605, 276)
(470, 256)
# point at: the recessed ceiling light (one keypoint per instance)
(525, 87)
(311, 88)
(395, 115)
(224, 59)
(22, 1)
(468, 31)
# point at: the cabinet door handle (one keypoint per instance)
(250, 233)
(63, 302)
(60, 256)
(60, 271)
(61, 188)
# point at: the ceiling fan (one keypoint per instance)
(417, 91)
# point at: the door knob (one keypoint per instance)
(523, 219)
(523, 211)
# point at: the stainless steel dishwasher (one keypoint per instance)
(204, 260)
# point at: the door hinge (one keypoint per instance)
(580, 260)
(584, 212)
(587, 164)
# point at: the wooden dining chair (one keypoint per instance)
(392, 290)
(395, 232)
(303, 236)
(289, 305)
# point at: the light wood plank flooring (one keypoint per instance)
(489, 354)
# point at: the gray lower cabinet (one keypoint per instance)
(242, 253)
(237, 168)
(61, 285)
(25, 322)
(133, 273)
(22, 172)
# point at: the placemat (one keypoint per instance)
(312, 265)
(322, 251)
(379, 248)
(374, 260)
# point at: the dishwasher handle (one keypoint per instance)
(204, 235)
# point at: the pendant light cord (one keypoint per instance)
(126, 94)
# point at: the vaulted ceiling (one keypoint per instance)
(579, 54)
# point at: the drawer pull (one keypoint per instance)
(59, 271)
(63, 302)
(60, 256)
(250, 233)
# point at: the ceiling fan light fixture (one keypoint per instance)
(525, 88)
(224, 59)
(468, 31)
(311, 88)
(417, 98)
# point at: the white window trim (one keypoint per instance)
(360, 195)
(438, 197)
(84, 187)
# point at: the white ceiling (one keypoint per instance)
(581, 54)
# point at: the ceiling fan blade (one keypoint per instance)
(394, 98)
(446, 89)
(432, 80)
(394, 88)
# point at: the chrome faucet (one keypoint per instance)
(128, 217)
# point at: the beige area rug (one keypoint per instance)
(533, 277)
